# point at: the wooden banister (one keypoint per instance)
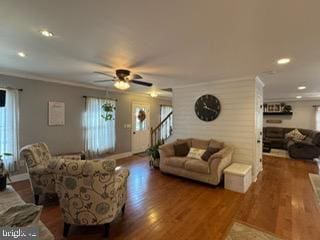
(162, 122)
(155, 134)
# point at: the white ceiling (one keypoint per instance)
(170, 43)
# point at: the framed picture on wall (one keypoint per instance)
(56, 113)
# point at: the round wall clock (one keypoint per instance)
(207, 107)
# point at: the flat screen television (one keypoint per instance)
(2, 98)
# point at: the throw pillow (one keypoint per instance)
(186, 140)
(207, 154)
(196, 153)
(295, 135)
(181, 149)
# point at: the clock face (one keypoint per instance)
(207, 108)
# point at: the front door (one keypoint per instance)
(140, 127)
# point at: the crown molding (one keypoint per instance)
(45, 79)
(277, 100)
(82, 85)
(219, 81)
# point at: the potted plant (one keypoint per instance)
(154, 154)
(4, 174)
(108, 108)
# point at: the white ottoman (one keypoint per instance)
(238, 177)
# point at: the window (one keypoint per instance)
(166, 128)
(141, 121)
(100, 136)
(9, 134)
(318, 118)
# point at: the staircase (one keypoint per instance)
(163, 131)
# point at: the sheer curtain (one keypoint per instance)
(100, 135)
(166, 128)
(9, 129)
(318, 118)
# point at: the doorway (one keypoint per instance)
(140, 135)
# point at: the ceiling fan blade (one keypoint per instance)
(105, 65)
(136, 76)
(104, 73)
(142, 83)
(167, 89)
(108, 80)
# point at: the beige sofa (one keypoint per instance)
(207, 172)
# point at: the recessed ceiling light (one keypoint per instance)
(284, 61)
(46, 33)
(22, 54)
(302, 87)
(298, 97)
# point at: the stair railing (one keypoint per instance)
(163, 131)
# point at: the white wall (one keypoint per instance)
(303, 116)
(235, 124)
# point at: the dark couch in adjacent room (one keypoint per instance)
(309, 148)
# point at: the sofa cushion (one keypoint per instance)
(207, 154)
(308, 141)
(316, 138)
(176, 161)
(197, 166)
(198, 143)
(196, 153)
(181, 149)
(306, 132)
(167, 149)
(274, 133)
(216, 144)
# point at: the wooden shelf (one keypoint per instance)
(278, 113)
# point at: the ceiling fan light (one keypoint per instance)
(122, 85)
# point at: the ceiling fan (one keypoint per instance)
(123, 78)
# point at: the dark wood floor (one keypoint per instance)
(168, 207)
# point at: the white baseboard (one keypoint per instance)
(19, 177)
(119, 155)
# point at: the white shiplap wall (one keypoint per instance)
(235, 124)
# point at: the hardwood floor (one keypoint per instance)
(167, 207)
(282, 200)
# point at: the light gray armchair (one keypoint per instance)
(37, 157)
(91, 192)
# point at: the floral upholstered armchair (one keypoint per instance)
(37, 157)
(91, 192)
